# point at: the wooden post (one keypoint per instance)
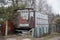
(6, 30)
(32, 32)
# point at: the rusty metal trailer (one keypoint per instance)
(27, 18)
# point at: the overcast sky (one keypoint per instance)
(55, 5)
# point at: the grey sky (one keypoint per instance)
(55, 5)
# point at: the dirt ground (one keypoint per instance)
(18, 37)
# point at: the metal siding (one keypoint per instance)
(41, 23)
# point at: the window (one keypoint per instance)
(24, 14)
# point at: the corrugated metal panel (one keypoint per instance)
(35, 32)
(45, 30)
(42, 31)
(38, 32)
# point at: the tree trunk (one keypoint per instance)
(17, 3)
(13, 3)
(6, 30)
